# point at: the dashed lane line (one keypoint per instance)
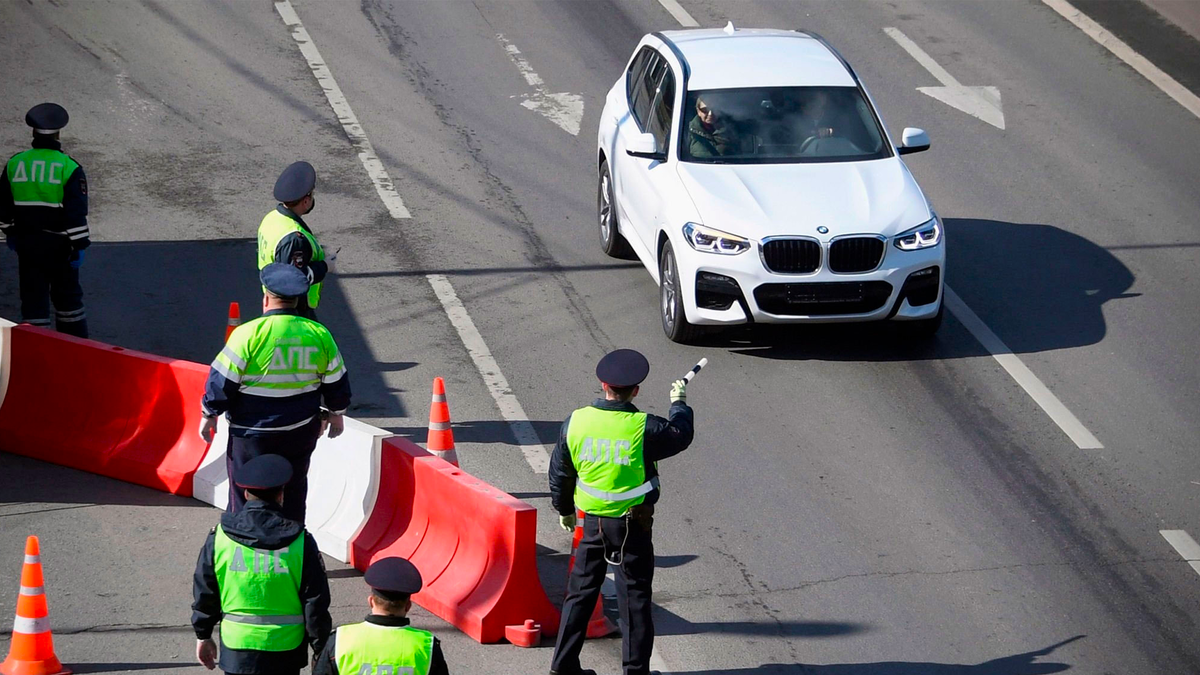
(1183, 543)
(681, 15)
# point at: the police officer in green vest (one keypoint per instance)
(284, 237)
(384, 644)
(261, 578)
(604, 464)
(279, 381)
(43, 213)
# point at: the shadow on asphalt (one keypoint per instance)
(81, 668)
(26, 484)
(1038, 287)
(667, 622)
(1018, 664)
(484, 431)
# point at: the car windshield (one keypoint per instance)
(780, 125)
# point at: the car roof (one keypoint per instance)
(757, 57)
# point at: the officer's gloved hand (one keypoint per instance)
(76, 259)
(679, 391)
(567, 522)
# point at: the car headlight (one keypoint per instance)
(708, 240)
(925, 235)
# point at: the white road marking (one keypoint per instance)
(1019, 372)
(565, 110)
(1112, 43)
(384, 186)
(1183, 543)
(676, 10)
(510, 408)
(980, 102)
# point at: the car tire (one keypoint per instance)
(612, 242)
(670, 300)
(925, 329)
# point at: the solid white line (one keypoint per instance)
(1182, 542)
(1019, 372)
(922, 58)
(1112, 43)
(676, 10)
(384, 186)
(506, 401)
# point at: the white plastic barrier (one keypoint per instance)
(343, 480)
(5, 356)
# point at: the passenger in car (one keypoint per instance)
(710, 135)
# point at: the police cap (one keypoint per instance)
(392, 576)
(47, 118)
(283, 280)
(265, 472)
(295, 182)
(623, 368)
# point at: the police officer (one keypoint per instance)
(384, 643)
(604, 465)
(284, 237)
(261, 577)
(43, 212)
(279, 380)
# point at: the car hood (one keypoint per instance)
(765, 200)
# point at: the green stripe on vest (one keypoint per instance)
(371, 649)
(274, 227)
(607, 451)
(38, 176)
(260, 595)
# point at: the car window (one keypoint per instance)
(664, 106)
(635, 72)
(646, 87)
(781, 124)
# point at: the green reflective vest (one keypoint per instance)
(37, 177)
(279, 356)
(260, 595)
(607, 451)
(276, 226)
(371, 649)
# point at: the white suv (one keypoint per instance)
(752, 175)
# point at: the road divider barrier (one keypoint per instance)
(6, 327)
(475, 545)
(102, 409)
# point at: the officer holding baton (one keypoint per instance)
(604, 465)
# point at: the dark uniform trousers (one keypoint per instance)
(634, 576)
(296, 446)
(46, 276)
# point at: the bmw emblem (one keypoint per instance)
(822, 229)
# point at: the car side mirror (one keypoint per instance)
(645, 147)
(913, 140)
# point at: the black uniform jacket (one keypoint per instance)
(293, 249)
(69, 222)
(664, 438)
(327, 663)
(260, 525)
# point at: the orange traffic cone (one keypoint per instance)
(598, 626)
(440, 442)
(235, 319)
(32, 648)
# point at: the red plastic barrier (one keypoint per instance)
(103, 409)
(476, 546)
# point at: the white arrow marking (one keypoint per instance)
(980, 102)
(565, 110)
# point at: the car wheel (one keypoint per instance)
(674, 320)
(612, 242)
(924, 329)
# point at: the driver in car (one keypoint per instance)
(710, 135)
(817, 116)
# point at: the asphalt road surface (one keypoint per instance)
(853, 503)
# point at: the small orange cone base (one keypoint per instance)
(50, 666)
(32, 649)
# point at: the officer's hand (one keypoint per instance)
(206, 653)
(331, 263)
(76, 259)
(567, 522)
(337, 424)
(679, 391)
(208, 428)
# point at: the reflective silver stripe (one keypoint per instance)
(439, 398)
(79, 235)
(73, 230)
(289, 427)
(335, 363)
(71, 318)
(69, 312)
(266, 620)
(234, 358)
(33, 559)
(49, 204)
(225, 371)
(439, 426)
(38, 322)
(329, 378)
(278, 379)
(643, 489)
(33, 590)
(268, 392)
(31, 626)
